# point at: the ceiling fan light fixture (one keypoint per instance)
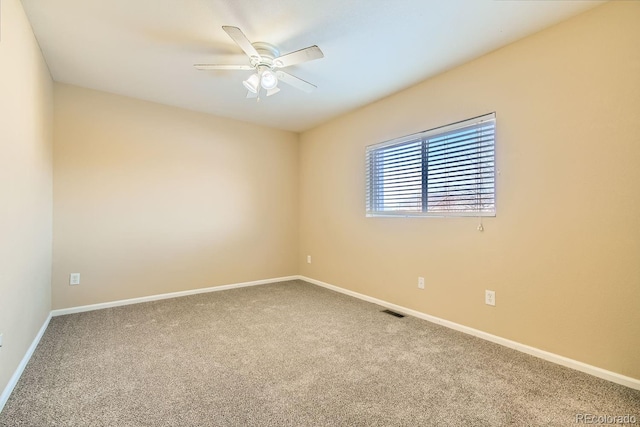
(252, 83)
(265, 60)
(268, 80)
(273, 91)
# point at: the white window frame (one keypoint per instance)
(416, 181)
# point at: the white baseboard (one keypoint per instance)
(102, 305)
(23, 364)
(630, 382)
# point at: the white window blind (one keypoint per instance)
(447, 171)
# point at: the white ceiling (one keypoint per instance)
(146, 48)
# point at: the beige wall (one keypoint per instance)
(563, 252)
(150, 199)
(25, 187)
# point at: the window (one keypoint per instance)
(447, 171)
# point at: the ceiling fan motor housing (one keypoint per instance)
(267, 53)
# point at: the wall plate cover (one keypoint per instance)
(74, 279)
(490, 297)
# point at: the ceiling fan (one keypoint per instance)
(267, 62)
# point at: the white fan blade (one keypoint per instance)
(251, 94)
(299, 56)
(295, 82)
(222, 67)
(241, 40)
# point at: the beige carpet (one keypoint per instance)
(289, 354)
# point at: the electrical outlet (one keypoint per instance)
(490, 297)
(420, 282)
(308, 259)
(74, 279)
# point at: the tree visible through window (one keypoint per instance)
(446, 171)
